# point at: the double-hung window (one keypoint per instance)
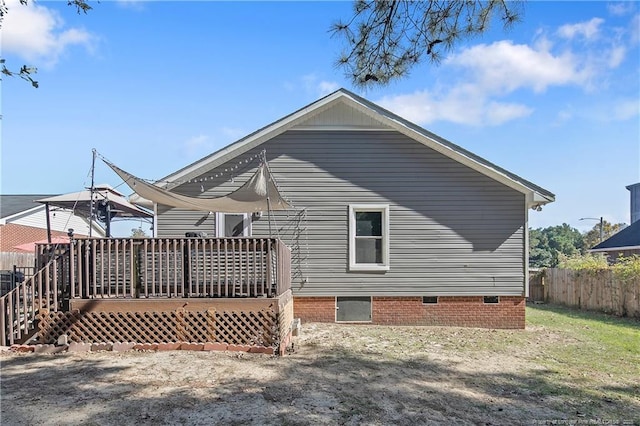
(369, 237)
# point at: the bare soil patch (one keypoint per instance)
(338, 374)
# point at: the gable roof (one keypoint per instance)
(300, 119)
(627, 239)
(13, 204)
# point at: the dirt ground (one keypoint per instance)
(337, 374)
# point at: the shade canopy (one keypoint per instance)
(259, 193)
(80, 203)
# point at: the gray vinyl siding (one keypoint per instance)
(453, 231)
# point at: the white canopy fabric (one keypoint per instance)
(258, 194)
(80, 202)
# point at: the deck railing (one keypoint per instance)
(176, 267)
(144, 268)
(19, 307)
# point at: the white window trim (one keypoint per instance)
(220, 224)
(370, 267)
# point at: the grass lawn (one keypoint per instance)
(566, 367)
(593, 360)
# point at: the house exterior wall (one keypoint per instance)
(453, 231)
(60, 220)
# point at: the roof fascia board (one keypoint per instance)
(22, 214)
(614, 249)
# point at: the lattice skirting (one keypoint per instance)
(256, 328)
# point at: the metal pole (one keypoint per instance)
(108, 218)
(601, 229)
(46, 209)
(93, 168)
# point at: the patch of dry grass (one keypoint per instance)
(565, 366)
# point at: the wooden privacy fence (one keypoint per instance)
(598, 291)
(10, 259)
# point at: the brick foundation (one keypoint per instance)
(461, 311)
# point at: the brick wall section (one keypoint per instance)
(461, 311)
(315, 309)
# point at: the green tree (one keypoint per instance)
(548, 245)
(138, 233)
(385, 39)
(592, 237)
(27, 72)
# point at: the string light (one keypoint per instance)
(230, 169)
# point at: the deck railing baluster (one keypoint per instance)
(16, 295)
(175, 267)
(218, 262)
(163, 290)
(132, 266)
(103, 274)
(142, 266)
(3, 325)
(10, 319)
(166, 262)
(56, 286)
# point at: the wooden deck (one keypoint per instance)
(229, 290)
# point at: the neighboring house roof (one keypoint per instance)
(535, 195)
(23, 210)
(627, 239)
(13, 204)
(12, 235)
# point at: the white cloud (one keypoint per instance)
(626, 109)
(131, 4)
(503, 67)
(197, 145)
(620, 9)
(326, 87)
(616, 56)
(38, 34)
(317, 86)
(589, 30)
(487, 81)
(564, 116)
(635, 29)
(464, 104)
(232, 133)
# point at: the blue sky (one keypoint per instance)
(156, 85)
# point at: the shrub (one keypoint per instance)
(627, 268)
(586, 262)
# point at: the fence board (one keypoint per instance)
(597, 291)
(8, 259)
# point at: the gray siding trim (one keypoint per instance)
(453, 230)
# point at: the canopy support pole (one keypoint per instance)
(46, 209)
(93, 168)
